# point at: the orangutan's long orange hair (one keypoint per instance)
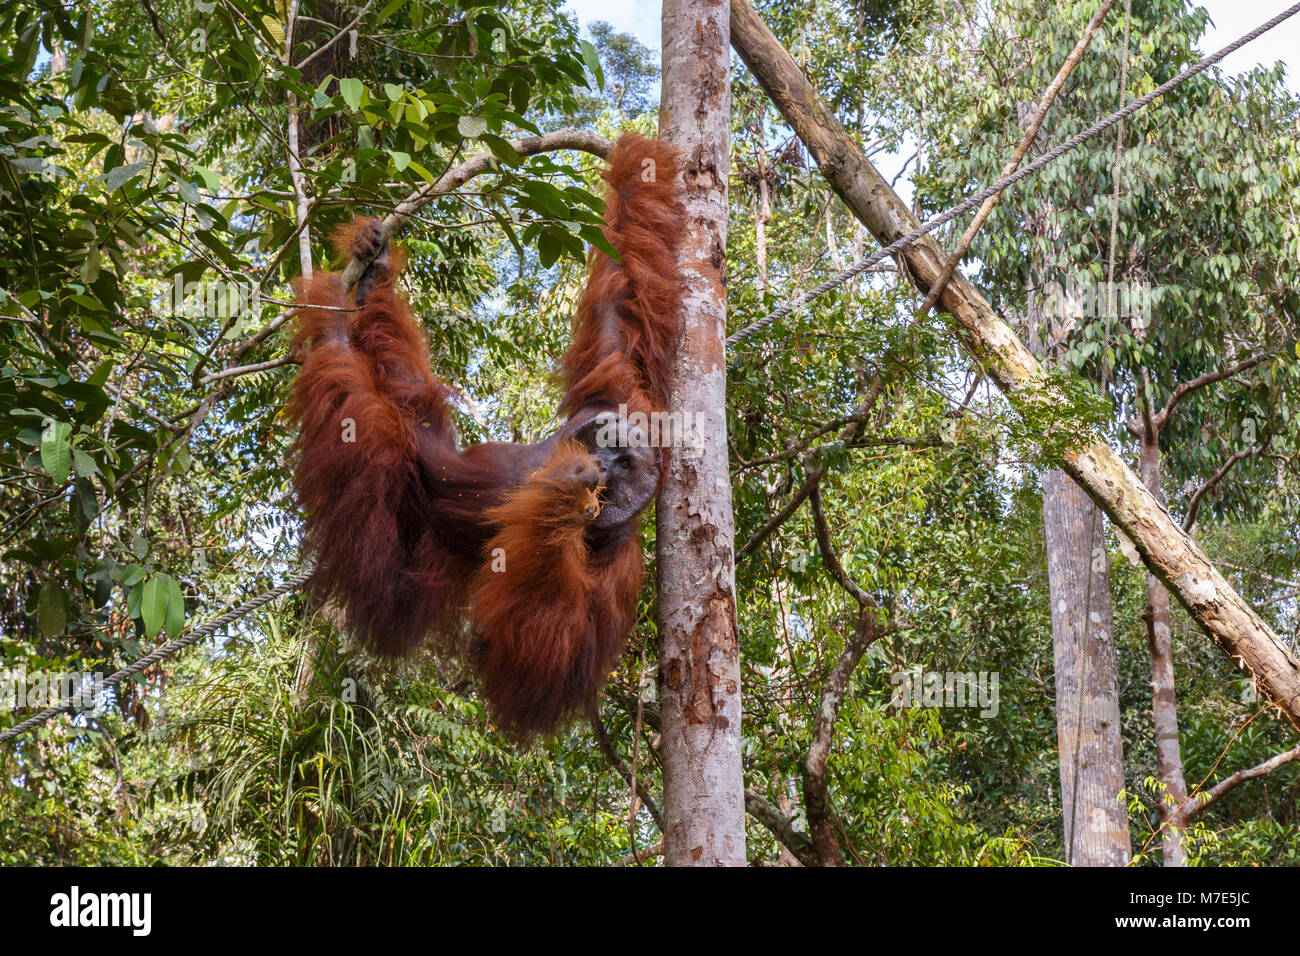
(413, 537)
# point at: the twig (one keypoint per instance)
(1229, 783)
(817, 801)
(637, 857)
(457, 176)
(1209, 378)
(238, 370)
(809, 483)
(781, 827)
(1195, 504)
(607, 748)
(335, 39)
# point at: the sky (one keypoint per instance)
(1231, 18)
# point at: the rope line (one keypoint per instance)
(1085, 644)
(1116, 188)
(162, 652)
(966, 205)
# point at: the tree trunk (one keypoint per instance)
(1090, 747)
(1164, 703)
(1165, 548)
(699, 652)
(1087, 729)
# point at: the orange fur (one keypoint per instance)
(404, 525)
(629, 313)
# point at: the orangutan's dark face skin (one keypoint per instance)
(628, 467)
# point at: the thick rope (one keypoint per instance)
(1116, 172)
(1084, 648)
(1095, 130)
(76, 700)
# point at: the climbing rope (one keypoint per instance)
(1096, 129)
(1084, 647)
(1116, 172)
(76, 700)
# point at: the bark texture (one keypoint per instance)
(1087, 728)
(699, 653)
(1164, 700)
(1090, 746)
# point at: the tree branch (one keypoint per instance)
(448, 182)
(817, 801)
(607, 748)
(238, 370)
(779, 518)
(1165, 548)
(1195, 504)
(1030, 134)
(1209, 378)
(1255, 571)
(457, 176)
(637, 857)
(831, 559)
(338, 36)
(781, 827)
(816, 794)
(766, 813)
(1198, 803)
(809, 484)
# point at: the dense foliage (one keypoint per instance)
(145, 147)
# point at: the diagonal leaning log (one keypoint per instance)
(1167, 551)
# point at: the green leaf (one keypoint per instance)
(209, 177)
(389, 9)
(26, 48)
(548, 249)
(471, 127)
(85, 31)
(90, 268)
(592, 60)
(520, 94)
(119, 176)
(100, 375)
(422, 172)
(274, 27)
(162, 606)
(82, 463)
(548, 200)
(52, 609)
(501, 149)
(351, 90)
(182, 462)
(153, 605)
(56, 450)
(175, 623)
